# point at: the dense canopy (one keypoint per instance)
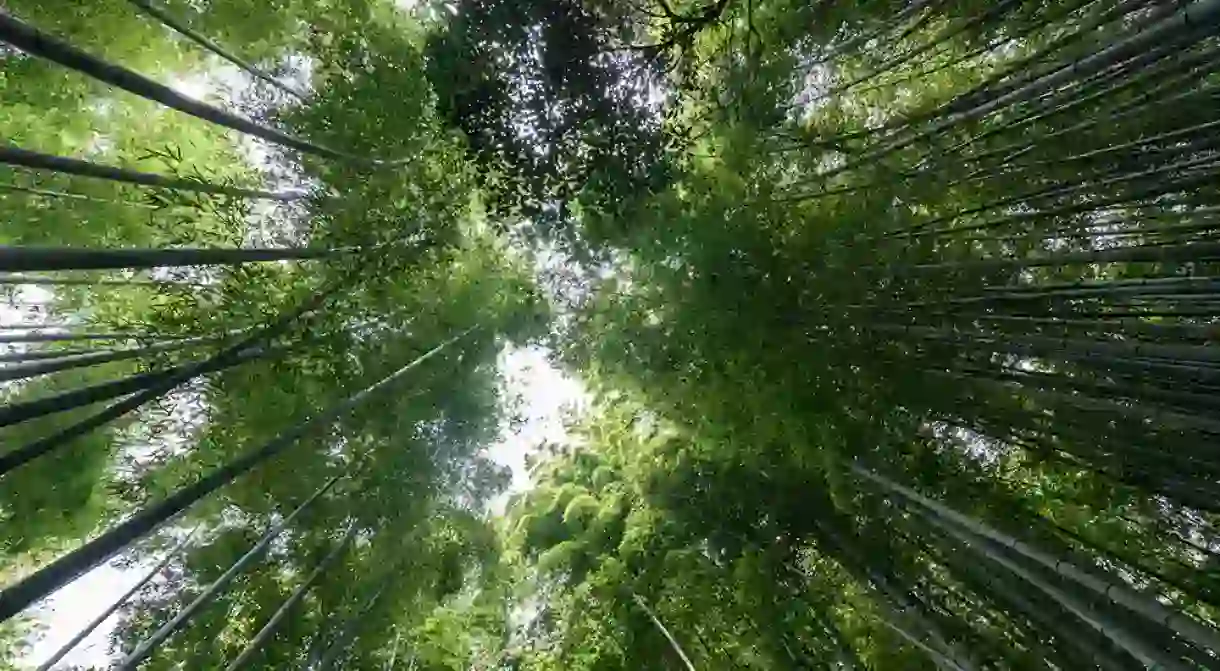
(895, 322)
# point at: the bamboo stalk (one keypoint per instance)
(1201, 251)
(24, 411)
(1128, 641)
(67, 568)
(260, 639)
(146, 647)
(37, 43)
(89, 282)
(68, 258)
(30, 337)
(1197, 634)
(71, 196)
(73, 166)
(160, 14)
(673, 642)
(1186, 24)
(118, 603)
(25, 370)
(16, 457)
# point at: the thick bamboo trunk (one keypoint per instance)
(9, 338)
(1147, 102)
(28, 452)
(1189, 23)
(942, 662)
(1050, 347)
(49, 193)
(88, 282)
(69, 258)
(1077, 642)
(43, 355)
(1028, 68)
(1139, 68)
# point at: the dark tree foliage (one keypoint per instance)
(554, 102)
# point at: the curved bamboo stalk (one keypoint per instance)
(160, 14)
(74, 166)
(67, 568)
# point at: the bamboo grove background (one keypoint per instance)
(898, 321)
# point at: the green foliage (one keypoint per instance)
(900, 331)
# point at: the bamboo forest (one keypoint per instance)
(593, 335)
